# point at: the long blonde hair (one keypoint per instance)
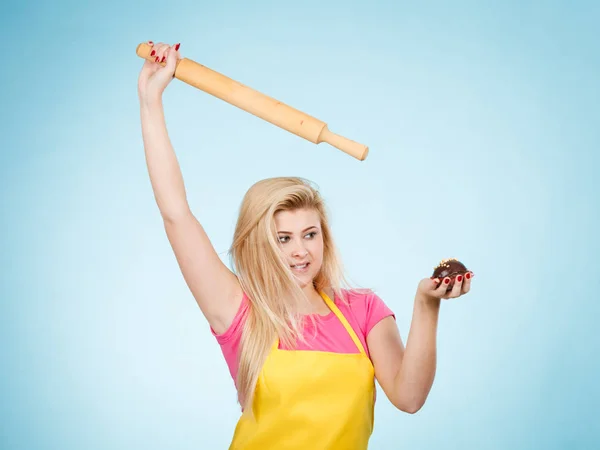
(266, 277)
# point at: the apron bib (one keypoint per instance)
(311, 400)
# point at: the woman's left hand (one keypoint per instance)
(448, 288)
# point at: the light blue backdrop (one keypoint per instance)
(483, 123)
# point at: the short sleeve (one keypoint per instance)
(375, 311)
(231, 338)
(234, 330)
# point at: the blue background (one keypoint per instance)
(483, 124)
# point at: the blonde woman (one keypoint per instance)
(302, 348)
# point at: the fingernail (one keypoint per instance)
(153, 53)
(150, 42)
(156, 59)
(459, 278)
(177, 47)
(164, 58)
(447, 281)
(468, 276)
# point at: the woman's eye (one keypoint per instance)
(283, 239)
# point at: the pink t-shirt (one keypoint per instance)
(362, 311)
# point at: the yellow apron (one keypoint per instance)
(311, 400)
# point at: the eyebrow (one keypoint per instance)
(304, 231)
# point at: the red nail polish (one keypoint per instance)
(164, 58)
(156, 59)
(150, 42)
(468, 276)
(459, 278)
(153, 53)
(177, 47)
(447, 281)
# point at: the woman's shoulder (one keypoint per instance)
(357, 296)
(365, 306)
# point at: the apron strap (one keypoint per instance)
(347, 326)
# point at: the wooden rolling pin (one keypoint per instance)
(258, 104)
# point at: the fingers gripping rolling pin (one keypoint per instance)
(259, 104)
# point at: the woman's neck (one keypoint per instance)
(316, 303)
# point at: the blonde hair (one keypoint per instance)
(266, 278)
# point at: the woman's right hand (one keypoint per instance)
(154, 78)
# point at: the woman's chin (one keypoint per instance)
(305, 277)
(304, 281)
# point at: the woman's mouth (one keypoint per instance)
(300, 268)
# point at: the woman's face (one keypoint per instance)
(301, 241)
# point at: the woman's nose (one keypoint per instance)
(299, 251)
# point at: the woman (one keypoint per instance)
(302, 350)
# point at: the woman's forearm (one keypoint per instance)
(415, 378)
(163, 168)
